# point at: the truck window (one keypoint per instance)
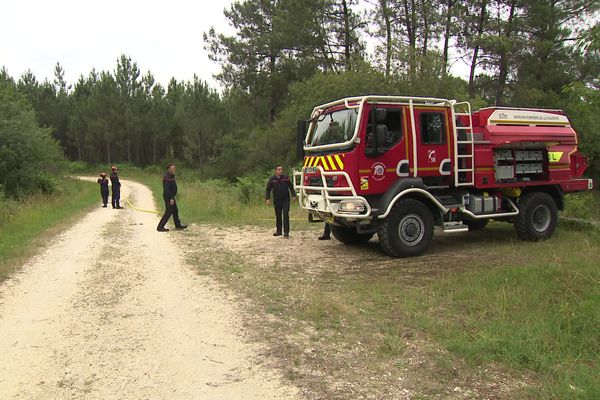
(432, 128)
(393, 122)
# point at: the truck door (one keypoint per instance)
(378, 160)
(434, 142)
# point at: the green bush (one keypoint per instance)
(77, 167)
(251, 188)
(584, 205)
(28, 153)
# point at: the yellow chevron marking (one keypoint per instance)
(331, 163)
(311, 163)
(316, 163)
(339, 161)
(324, 162)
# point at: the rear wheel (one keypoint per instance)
(408, 230)
(350, 236)
(537, 217)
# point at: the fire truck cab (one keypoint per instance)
(398, 166)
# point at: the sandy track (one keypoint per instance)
(110, 310)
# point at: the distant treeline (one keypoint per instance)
(287, 56)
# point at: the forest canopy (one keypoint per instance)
(287, 56)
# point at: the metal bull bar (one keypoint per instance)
(332, 201)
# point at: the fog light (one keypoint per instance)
(352, 207)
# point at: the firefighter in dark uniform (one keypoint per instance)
(116, 188)
(326, 233)
(169, 193)
(103, 182)
(281, 186)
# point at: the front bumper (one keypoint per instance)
(326, 201)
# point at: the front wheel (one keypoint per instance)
(537, 216)
(350, 236)
(408, 230)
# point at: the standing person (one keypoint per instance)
(326, 233)
(116, 188)
(103, 182)
(281, 186)
(169, 193)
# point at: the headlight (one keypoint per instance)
(352, 207)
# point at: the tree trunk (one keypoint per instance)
(129, 151)
(425, 29)
(154, 146)
(347, 36)
(503, 65)
(108, 155)
(78, 147)
(449, 6)
(271, 116)
(385, 11)
(480, 25)
(410, 18)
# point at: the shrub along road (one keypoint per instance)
(111, 310)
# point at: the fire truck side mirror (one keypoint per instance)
(300, 136)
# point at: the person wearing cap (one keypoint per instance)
(169, 193)
(116, 188)
(103, 182)
(281, 186)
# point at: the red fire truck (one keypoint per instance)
(398, 166)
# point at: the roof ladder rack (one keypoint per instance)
(464, 146)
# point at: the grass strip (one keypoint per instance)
(39, 218)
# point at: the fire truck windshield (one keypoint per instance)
(334, 127)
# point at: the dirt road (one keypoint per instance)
(111, 310)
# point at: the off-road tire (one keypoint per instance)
(538, 216)
(476, 224)
(350, 236)
(415, 219)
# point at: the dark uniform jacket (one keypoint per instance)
(103, 185)
(114, 180)
(169, 187)
(281, 188)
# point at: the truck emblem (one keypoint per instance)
(364, 183)
(378, 171)
(431, 156)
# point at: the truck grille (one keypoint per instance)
(316, 181)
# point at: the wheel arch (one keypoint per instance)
(554, 191)
(419, 194)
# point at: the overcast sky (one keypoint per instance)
(162, 36)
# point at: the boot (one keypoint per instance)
(324, 237)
